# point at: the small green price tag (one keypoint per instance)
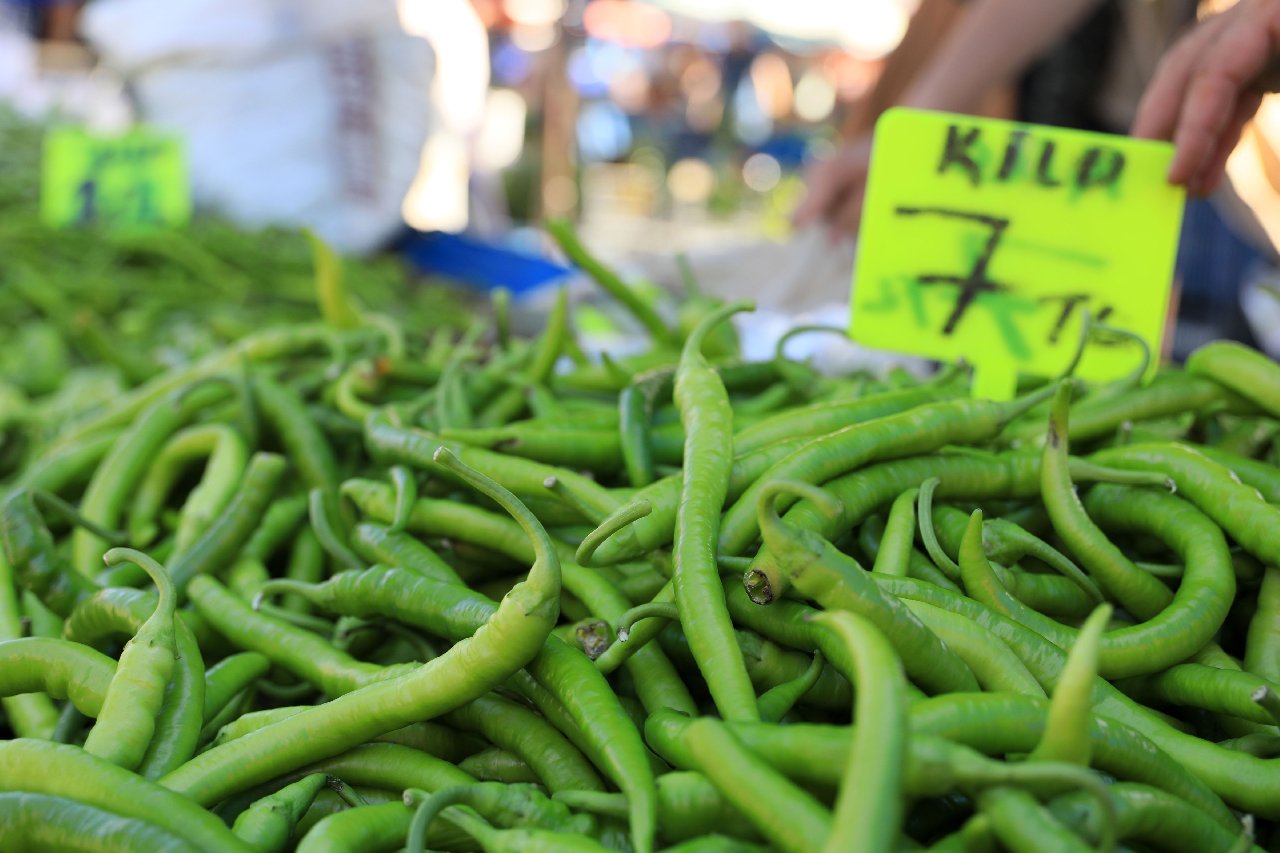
(987, 240)
(135, 180)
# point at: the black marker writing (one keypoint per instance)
(976, 282)
(1097, 170)
(1011, 152)
(1043, 177)
(964, 149)
(1069, 301)
(955, 152)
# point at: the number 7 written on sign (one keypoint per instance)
(977, 290)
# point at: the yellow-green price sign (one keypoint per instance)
(134, 180)
(988, 240)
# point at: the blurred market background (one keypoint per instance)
(440, 132)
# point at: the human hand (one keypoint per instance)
(834, 188)
(1208, 86)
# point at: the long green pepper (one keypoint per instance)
(127, 720)
(708, 460)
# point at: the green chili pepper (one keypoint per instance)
(1066, 735)
(637, 539)
(510, 402)
(268, 823)
(563, 234)
(1022, 825)
(1245, 371)
(115, 612)
(523, 840)
(303, 442)
(689, 806)
(835, 581)
(126, 723)
(656, 681)
(919, 430)
(635, 409)
(1238, 509)
(59, 770)
(1220, 768)
(277, 527)
(126, 464)
(304, 654)
(781, 811)
(557, 763)
(821, 418)
(508, 640)
(54, 470)
(993, 663)
(264, 345)
(456, 613)
(60, 668)
(498, 765)
(976, 476)
(1169, 394)
(1146, 814)
(868, 810)
(708, 425)
(30, 549)
(1262, 645)
(230, 676)
(44, 822)
(1137, 591)
(777, 701)
(378, 544)
(1238, 694)
(507, 805)
(29, 715)
(227, 454)
(417, 448)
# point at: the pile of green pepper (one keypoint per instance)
(90, 313)
(353, 584)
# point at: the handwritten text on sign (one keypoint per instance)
(986, 239)
(137, 179)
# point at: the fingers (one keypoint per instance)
(818, 198)
(1207, 108)
(1216, 97)
(1215, 168)
(1161, 104)
(847, 217)
(1206, 89)
(832, 185)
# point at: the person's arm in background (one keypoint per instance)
(930, 24)
(1207, 88)
(992, 43)
(835, 183)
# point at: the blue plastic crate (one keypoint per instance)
(482, 264)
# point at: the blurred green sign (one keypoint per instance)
(137, 179)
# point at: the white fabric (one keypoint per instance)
(805, 280)
(307, 113)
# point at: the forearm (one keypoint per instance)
(930, 26)
(992, 43)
